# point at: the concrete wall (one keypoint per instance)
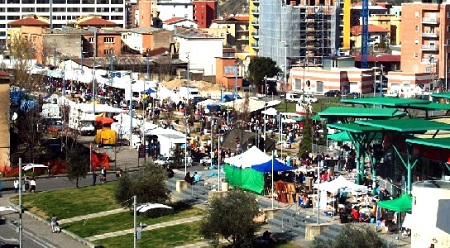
(431, 215)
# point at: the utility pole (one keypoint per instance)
(134, 222)
(20, 203)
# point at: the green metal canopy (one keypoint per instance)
(441, 95)
(401, 204)
(433, 142)
(361, 112)
(361, 137)
(406, 125)
(353, 128)
(429, 106)
(341, 136)
(385, 101)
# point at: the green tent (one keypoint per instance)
(245, 178)
(401, 204)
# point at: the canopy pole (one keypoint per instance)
(358, 163)
(374, 173)
(409, 168)
(272, 179)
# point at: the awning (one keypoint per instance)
(361, 112)
(401, 204)
(385, 101)
(406, 125)
(341, 136)
(433, 142)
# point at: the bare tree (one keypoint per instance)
(22, 52)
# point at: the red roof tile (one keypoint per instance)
(357, 30)
(96, 21)
(242, 18)
(28, 22)
(381, 58)
(174, 19)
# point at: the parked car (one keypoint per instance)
(308, 98)
(293, 97)
(332, 93)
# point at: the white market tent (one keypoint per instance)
(249, 158)
(253, 104)
(167, 138)
(207, 102)
(341, 183)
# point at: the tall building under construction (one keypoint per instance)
(299, 32)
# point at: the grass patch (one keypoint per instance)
(69, 203)
(122, 221)
(320, 105)
(164, 237)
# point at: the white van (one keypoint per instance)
(188, 92)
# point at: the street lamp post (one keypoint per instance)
(264, 123)
(374, 80)
(111, 69)
(236, 68)
(265, 86)
(381, 80)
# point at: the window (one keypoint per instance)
(416, 55)
(416, 41)
(32, 10)
(42, 1)
(73, 1)
(116, 1)
(108, 39)
(42, 10)
(59, 9)
(91, 40)
(11, 18)
(87, 9)
(73, 9)
(298, 84)
(28, 1)
(417, 28)
(416, 14)
(88, 2)
(59, 1)
(427, 69)
(108, 52)
(13, 9)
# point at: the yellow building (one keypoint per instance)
(253, 28)
(390, 23)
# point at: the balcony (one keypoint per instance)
(429, 48)
(255, 45)
(255, 23)
(255, 11)
(430, 35)
(255, 35)
(256, 2)
(430, 20)
(427, 61)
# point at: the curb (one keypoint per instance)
(70, 234)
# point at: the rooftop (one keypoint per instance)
(28, 22)
(97, 21)
(357, 30)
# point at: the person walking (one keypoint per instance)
(16, 185)
(33, 185)
(94, 178)
(103, 175)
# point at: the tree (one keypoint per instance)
(352, 236)
(148, 184)
(22, 53)
(232, 223)
(307, 133)
(78, 163)
(261, 67)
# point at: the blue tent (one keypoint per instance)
(148, 91)
(267, 166)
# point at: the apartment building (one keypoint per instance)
(62, 12)
(234, 30)
(424, 46)
(205, 11)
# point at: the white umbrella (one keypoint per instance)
(32, 166)
(147, 206)
(270, 111)
(8, 208)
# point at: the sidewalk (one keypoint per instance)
(39, 227)
(148, 228)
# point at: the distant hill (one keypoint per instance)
(227, 7)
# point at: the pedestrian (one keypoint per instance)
(33, 185)
(55, 225)
(16, 185)
(94, 177)
(103, 175)
(119, 173)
